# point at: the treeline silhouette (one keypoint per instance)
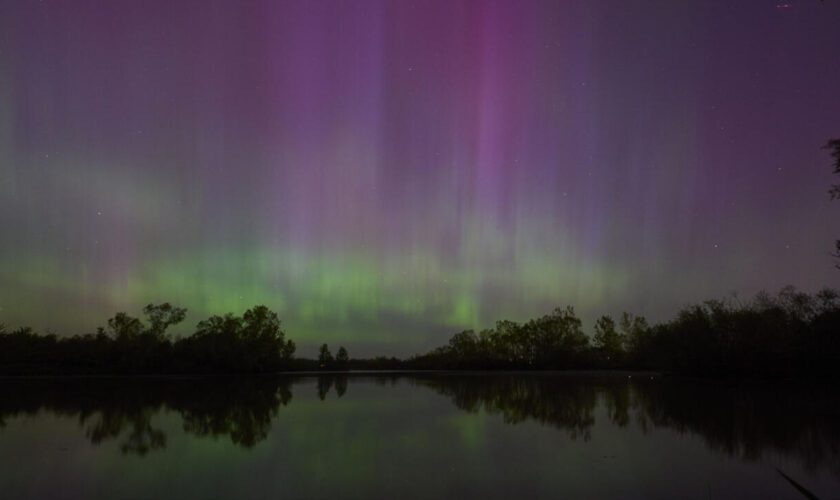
(791, 333)
(326, 361)
(251, 343)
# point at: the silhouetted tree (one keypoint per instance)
(464, 345)
(833, 145)
(253, 343)
(325, 357)
(163, 316)
(608, 341)
(827, 300)
(228, 325)
(637, 339)
(787, 334)
(124, 327)
(261, 330)
(791, 333)
(342, 358)
(555, 340)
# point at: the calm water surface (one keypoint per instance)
(406, 436)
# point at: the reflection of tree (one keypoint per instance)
(748, 422)
(340, 385)
(616, 397)
(142, 437)
(562, 403)
(244, 413)
(242, 409)
(326, 382)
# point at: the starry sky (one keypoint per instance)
(386, 173)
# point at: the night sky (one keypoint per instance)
(386, 173)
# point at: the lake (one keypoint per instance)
(395, 436)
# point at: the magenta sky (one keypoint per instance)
(386, 173)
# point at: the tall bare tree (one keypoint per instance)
(834, 146)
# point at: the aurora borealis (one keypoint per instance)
(385, 173)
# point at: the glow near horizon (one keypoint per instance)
(384, 174)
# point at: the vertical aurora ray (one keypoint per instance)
(386, 173)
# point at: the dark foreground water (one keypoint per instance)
(406, 436)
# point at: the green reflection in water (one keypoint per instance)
(417, 436)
